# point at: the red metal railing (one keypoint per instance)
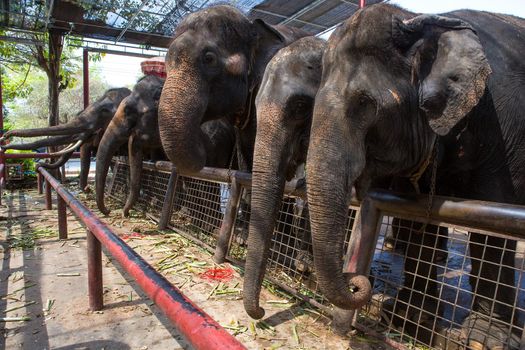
(198, 327)
(2, 180)
(34, 155)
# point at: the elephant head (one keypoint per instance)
(81, 131)
(284, 107)
(135, 122)
(391, 82)
(214, 64)
(95, 117)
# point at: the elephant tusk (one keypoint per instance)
(68, 149)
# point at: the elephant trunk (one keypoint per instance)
(181, 108)
(73, 127)
(113, 138)
(135, 155)
(267, 192)
(333, 164)
(85, 163)
(47, 142)
(61, 161)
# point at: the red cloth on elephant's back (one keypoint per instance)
(154, 66)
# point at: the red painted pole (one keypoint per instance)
(2, 181)
(2, 159)
(34, 155)
(39, 180)
(96, 293)
(62, 218)
(361, 3)
(199, 328)
(47, 190)
(85, 77)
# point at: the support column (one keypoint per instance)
(47, 188)
(85, 77)
(228, 223)
(96, 299)
(62, 217)
(2, 159)
(167, 206)
(39, 182)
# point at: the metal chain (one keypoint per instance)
(231, 164)
(432, 191)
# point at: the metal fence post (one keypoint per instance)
(63, 174)
(360, 253)
(169, 198)
(62, 217)
(39, 182)
(96, 299)
(49, 203)
(115, 172)
(363, 239)
(228, 223)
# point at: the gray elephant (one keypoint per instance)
(85, 131)
(398, 87)
(214, 66)
(284, 106)
(135, 123)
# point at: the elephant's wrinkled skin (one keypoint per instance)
(135, 123)
(214, 67)
(284, 106)
(392, 84)
(85, 130)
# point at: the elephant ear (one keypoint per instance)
(267, 34)
(449, 65)
(267, 41)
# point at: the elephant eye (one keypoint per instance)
(302, 107)
(210, 58)
(363, 100)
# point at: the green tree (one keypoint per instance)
(30, 110)
(52, 53)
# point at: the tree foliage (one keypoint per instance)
(30, 110)
(21, 61)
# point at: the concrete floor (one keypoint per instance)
(129, 320)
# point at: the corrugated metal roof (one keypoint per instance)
(152, 22)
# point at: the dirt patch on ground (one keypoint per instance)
(43, 289)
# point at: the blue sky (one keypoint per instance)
(124, 71)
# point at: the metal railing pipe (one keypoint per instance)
(198, 327)
(34, 155)
(490, 216)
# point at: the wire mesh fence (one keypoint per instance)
(153, 189)
(434, 286)
(441, 286)
(199, 208)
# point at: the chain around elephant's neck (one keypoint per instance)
(430, 158)
(242, 124)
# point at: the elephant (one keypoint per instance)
(214, 66)
(401, 90)
(135, 123)
(284, 107)
(84, 131)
